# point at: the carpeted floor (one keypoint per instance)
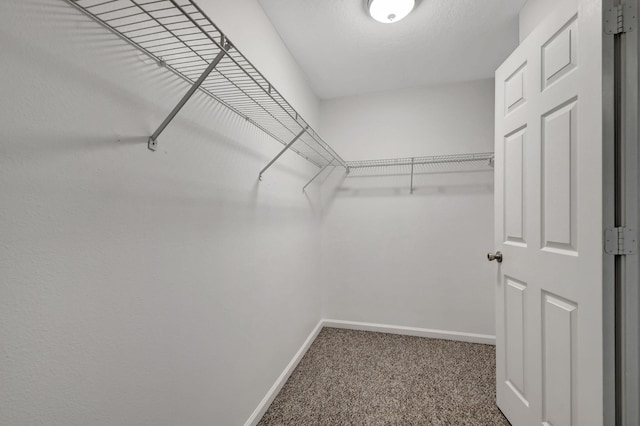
(362, 378)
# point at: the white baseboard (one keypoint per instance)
(412, 331)
(365, 326)
(277, 386)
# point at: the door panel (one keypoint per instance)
(514, 89)
(548, 196)
(514, 202)
(559, 192)
(558, 362)
(559, 54)
(516, 334)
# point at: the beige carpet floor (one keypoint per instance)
(362, 378)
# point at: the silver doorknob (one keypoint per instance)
(497, 256)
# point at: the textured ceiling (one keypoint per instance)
(344, 51)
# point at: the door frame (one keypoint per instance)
(621, 208)
(628, 267)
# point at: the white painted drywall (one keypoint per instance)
(533, 12)
(411, 260)
(140, 288)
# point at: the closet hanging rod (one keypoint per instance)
(417, 161)
(178, 35)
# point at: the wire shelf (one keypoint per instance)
(456, 163)
(179, 35)
(484, 158)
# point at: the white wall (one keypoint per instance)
(143, 288)
(411, 260)
(533, 12)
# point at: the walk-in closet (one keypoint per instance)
(319, 212)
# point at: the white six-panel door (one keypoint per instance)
(549, 222)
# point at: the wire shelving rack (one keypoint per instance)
(177, 34)
(415, 165)
(477, 158)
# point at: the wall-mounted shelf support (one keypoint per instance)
(153, 139)
(317, 174)
(411, 188)
(298, 136)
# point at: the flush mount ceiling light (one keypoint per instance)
(389, 11)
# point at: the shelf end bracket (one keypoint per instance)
(153, 139)
(298, 136)
(318, 174)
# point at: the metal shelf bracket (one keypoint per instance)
(411, 188)
(298, 136)
(153, 139)
(317, 174)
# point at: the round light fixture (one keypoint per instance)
(390, 11)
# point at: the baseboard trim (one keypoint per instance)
(282, 379)
(354, 325)
(412, 331)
